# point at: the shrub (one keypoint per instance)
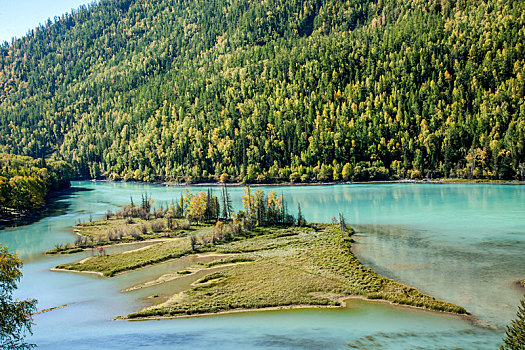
(136, 236)
(157, 226)
(415, 174)
(185, 225)
(295, 177)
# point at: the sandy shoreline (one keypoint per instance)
(236, 311)
(54, 269)
(50, 309)
(343, 300)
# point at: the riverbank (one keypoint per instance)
(265, 268)
(323, 183)
(329, 183)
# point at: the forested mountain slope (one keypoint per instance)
(272, 90)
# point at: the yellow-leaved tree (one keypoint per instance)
(15, 316)
(197, 207)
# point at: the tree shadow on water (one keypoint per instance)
(55, 205)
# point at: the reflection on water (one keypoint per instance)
(365, 325)
(55, 206)
(461, 243)
(467, 274)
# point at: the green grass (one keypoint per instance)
(64, 250)
(211, 277)
(308, 268)
(230, 260)
(110, 265)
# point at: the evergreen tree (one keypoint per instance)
(300, 219)
(515, 332)
(226, 203)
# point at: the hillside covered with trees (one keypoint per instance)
(272, 90)
(26, 182)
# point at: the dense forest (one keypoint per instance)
(273, 90)
(26, 182)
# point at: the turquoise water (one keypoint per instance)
(461, 243)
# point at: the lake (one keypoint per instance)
(462, 243)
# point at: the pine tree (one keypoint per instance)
(179, 210)
(515, 333)
(226, 203)
(300, 219)
(209, 203)
(342, 224)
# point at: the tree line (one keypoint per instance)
(258, 209)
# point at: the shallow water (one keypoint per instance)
(461, 243)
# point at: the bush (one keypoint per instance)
(295, 177)
(185, 225)
(415, 174)
(261, 178)
(157, 226)
(171, 223)
(378, 173)
(136, 236)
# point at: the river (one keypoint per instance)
(462, 243)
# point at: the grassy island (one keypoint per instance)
(287, 263)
